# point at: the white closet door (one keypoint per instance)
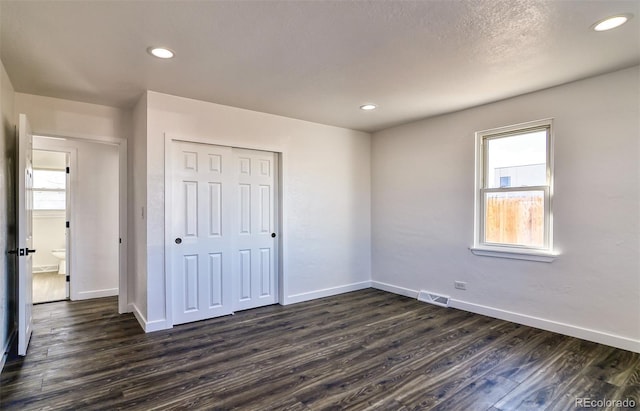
(256, 253)
(202, 194)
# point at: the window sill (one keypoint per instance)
(529, 255)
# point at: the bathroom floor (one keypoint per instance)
(49, 286)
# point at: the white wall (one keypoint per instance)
(137, 268)
(422, 212)
(7, 213)
(326, 193)
(66, 118)
(95, 231)
(48, 234)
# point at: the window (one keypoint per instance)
(514, 176)
(49, 189)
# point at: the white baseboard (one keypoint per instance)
(550, 325)
(45, 269)
(86, 295)
(136, 313)
(518, 318)
(326, 292)
(394, 289)
(157, 325)
(148, 326)
(5, 350)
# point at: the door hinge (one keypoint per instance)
(68, 278)
(67, 224)
(120, 240)
(67, 170)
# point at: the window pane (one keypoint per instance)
(514, 218)
(49, 200)
(52, 179)
(520, 160)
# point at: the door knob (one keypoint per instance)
(30, 251)
(178, 240)
(273, 235)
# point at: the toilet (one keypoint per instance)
(61, 255)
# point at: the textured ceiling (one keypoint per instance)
(313, 60)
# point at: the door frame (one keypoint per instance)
(168, 209)
(121, 145)
(72, 161)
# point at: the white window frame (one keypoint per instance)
(545, 253)
(58, 190)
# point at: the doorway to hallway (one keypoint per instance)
(51, 210)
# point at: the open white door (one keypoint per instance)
(25, 209)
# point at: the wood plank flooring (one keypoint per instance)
(366, 350)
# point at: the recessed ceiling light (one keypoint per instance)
(611, 22)
(160, 52)
(368, 107)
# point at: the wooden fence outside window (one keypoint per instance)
(515, 220)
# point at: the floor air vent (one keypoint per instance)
(433, 298)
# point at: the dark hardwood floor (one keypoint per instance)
(363, 350)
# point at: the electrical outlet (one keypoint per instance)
(460, 285)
